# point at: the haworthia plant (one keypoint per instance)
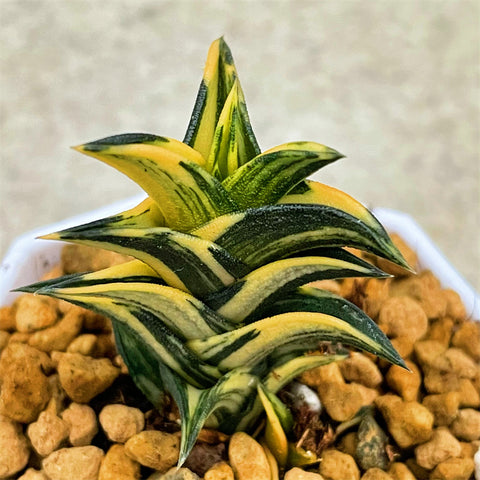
(215, 310)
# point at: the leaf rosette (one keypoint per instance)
(215, 310)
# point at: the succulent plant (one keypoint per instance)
(216, 310)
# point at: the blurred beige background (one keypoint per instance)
(392, 84)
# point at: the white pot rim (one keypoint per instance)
(28, 258)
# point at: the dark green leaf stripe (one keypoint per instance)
(147, 325)
(231, 147)
(321, 194)
(260, 235)
(142, 363)
(144, 215)
(219, 407)
(272, 281)
(310, 299)
(182, 260)
(268, 177)
(296, 332)
(173, 177)
(129, 272)
(218, 80)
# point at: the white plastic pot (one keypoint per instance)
(29, 258)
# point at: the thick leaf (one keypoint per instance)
(260, 235)
(269, 176)
(309, 299)
(142, 363)
(128, 272)
(319, 193)
(227, 148)
(145, 215)
(220, 406)
(218, 80)
(182, 260)
(249, 297)
(160, 317)
(296, 332)
(186, 194)
(275, 436)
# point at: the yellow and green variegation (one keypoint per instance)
(214, 310)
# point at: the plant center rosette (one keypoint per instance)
(215, 309)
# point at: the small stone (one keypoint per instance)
(370, 296)
(117, 465)
(376, 474)
(48, 432)
(336, 465)
(60, 335)
(427, 352)
(457, 361)
(467, 337)
(32, 474)
(341, 400)
(85, 377)
(14, 451)
(403, 345)
(425, 289)
(299, 474)
(7, 318)
(34, 313)
(316, 377)
(219, 471)
(175, 474)
(410, 423)
(455, 307)
(405, 383)
(441, 330)
(348, 443)
(403, 316)
(399, 471)
(4, 339)
(82, 423)
(79, 463)
(440, 381)
(467, 425)
(154, 449)
(247, 458)
(25, 389)
(371, 448)
(360, 369)
(84, 344)
(121, 422)
(469, 396)
(444, 407)
(453, 469)
(442, 446)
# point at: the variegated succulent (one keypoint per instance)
(216, 310)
